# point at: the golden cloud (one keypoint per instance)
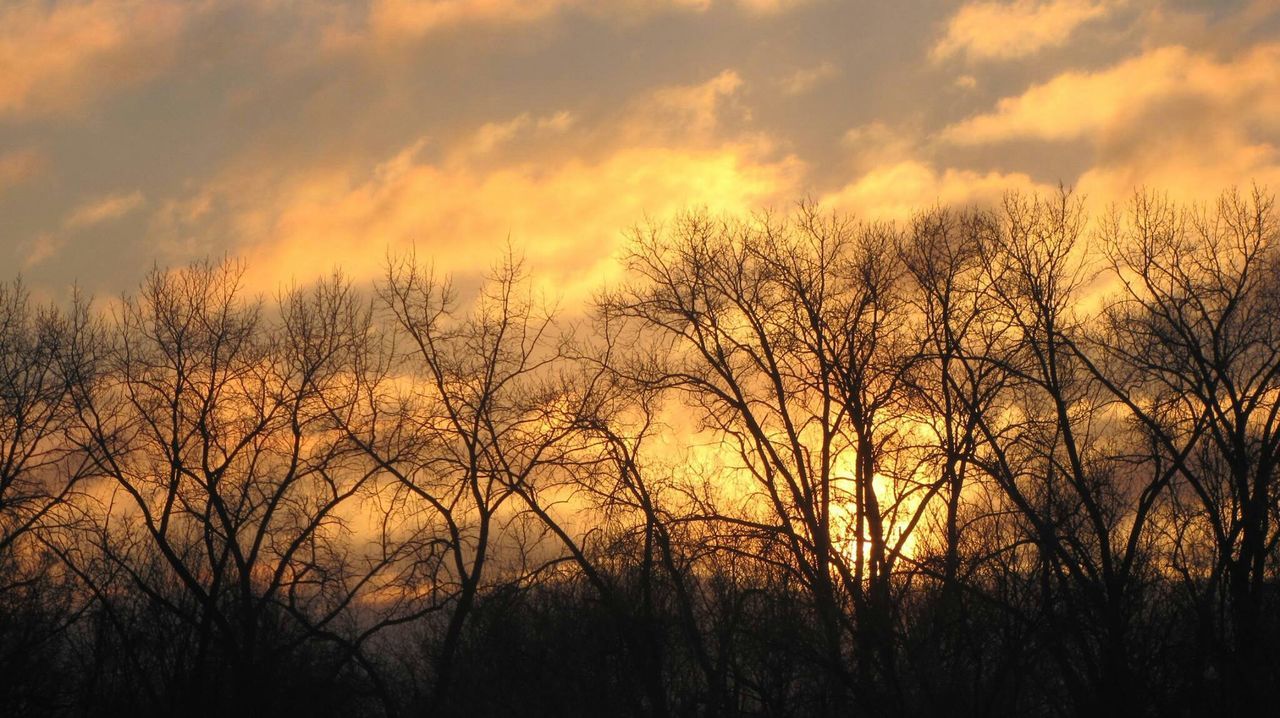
(1185, 122)
(1009, 30)
(1081, 104)
(389, 19)
(1191, 167)
(572, 212)
(896, 190)
(895, 178)
(689, 108)
(418, 17)
(565, 208)
(36, 251)
(59, 56)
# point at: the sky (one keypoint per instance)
(304, 137)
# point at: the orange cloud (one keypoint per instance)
(895, 178)
(894, 191)
(565, 209)
(414, 18)
(1009, 30)
(493, 135)
(1192, 167)
(877, 143)
(1081, 104)
(418, 17)
(1187, 123)
(44, 246)
(695, 108)
(104, 209)
(90, 214)
(57, 57)
(567, 217)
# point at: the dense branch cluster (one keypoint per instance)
(1008, 461)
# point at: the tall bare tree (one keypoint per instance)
(1197, 326)
(788, 338)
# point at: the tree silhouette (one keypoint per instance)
(1006, 460)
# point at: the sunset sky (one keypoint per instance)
(304, 136)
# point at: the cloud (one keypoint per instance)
(418, 17)
(760, 7)
(1189, 164)
(566, 217)
(806, 78)
(896, 190)
(104, 209)
(986, 30)
(1186, 122)
(695, 108)
(561, 199)
(877, 143)
(57, 57)
(1080, 104)
(1076, 105)
(895, 177)
(407, 19)
(493, 135)
(19, 166)
(93, 213)
(43, 247)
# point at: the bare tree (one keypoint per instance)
(788, 339)
(232, 493)
(1058, 440)
(460, 420)
(953, 385)
(42, 351)
(992, 461)
(1197, 327)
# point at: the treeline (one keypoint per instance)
(1009, 461)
